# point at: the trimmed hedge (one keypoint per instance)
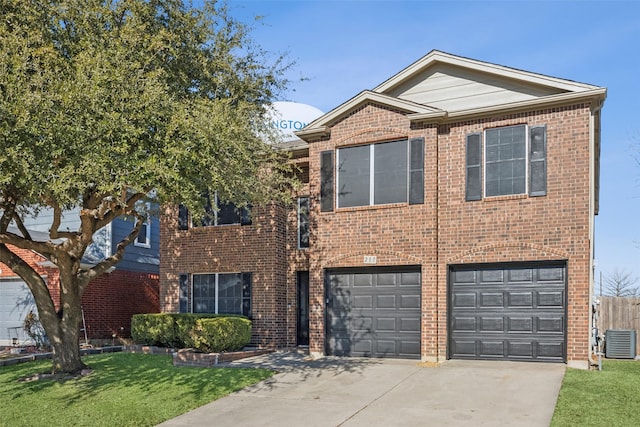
(177, 330)
(221, 334)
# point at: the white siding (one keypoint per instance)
(452, 88)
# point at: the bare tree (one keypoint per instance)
(621, 283)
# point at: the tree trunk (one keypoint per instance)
(65, 331)
(66, 348)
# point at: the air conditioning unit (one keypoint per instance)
(620, 344)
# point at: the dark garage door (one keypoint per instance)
(374, 312)
(508, 312)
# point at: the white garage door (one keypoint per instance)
(15, 303)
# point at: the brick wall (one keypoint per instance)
(110, 300)
(259, 248)
(448, 230)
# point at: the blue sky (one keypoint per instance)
(344, 47)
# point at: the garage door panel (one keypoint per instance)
(519, 325)
(410, 302)
(519, 299)
(409, 324)
(551, 325)
(464, 324)
(386, 301)
(385, 324)
(491, 276)
(381, 317)
(464, 299)
(492, 324)
(491, 349)
(522, 317)
(551, 299)
(362, 301)
(491, 299)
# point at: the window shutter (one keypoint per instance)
(184, 293)
(538, 161)
(183, 217)
(416, 171)
(474, 167)
(326, 181)
(245, 215)
(246, 294)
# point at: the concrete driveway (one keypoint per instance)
(383, 392)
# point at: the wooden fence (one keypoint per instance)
(620, 313)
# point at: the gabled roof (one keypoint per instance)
(440, 86)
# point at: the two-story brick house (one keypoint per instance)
(449, 213)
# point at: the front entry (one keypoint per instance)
(303, 308)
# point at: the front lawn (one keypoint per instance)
(123, 389)
(600, 398)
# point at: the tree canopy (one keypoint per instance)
(103, 102)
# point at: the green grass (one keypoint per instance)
(123, 389)
(610, 397)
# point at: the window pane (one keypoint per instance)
(228, 214)
(230, 293)
(353, 176)
(505, 161)
(204, 293)
(390, 166)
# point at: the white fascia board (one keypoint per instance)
(598, 94)
(320, 126)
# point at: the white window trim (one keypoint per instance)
(147, 223)
(526, 162)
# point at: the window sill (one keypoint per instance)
(373, 207)
(507, 197)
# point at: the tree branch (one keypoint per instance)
(87, 276)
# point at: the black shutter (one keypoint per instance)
(474, 167)
(245, 215)
(538, 161)
(246, 294)
(326, 181)
(184, 293)
(183, 217)
(416, 171)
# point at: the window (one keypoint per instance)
(220, 293)
(225, 214)
(377, 174)
(303, 222)
(513, 161)
(143, 239)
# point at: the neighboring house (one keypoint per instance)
(109, 301)
(447, 213)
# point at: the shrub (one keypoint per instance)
(153, 329)
(221, 334)
(178, 330)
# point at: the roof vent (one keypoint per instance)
(620, 344)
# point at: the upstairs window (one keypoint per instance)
(216, 213)
(512, 160)
(378, 174)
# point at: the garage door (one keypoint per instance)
(15, 302)
(508, 312)
(374, 312)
